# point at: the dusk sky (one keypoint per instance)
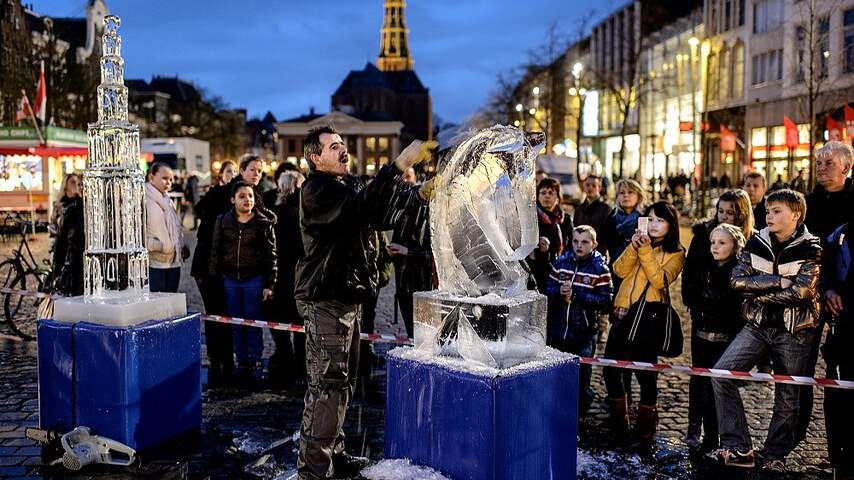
(286, 56)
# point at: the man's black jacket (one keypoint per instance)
(338, 221)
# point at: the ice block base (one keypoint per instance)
(495, 331)
(139, 385)
(120, 309)
(475, 423)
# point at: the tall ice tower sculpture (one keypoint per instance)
(115, 263)
(116, 259)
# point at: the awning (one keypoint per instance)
(44, 151)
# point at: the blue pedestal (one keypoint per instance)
(138, 385)
(517, 424)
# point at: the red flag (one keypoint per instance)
(727, 140)
(40, 107)
(791, 132)
(849, 120)
(24, 109)
(834, 130)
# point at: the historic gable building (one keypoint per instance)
(391, 89)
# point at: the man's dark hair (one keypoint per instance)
(247, 159)
(156, 166)
(753, 176)
(549, 183)
(235, 186)
(790, 198)
(311, 144)
(665, 210)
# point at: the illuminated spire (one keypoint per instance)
(394, 41)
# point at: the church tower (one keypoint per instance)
(394, 42)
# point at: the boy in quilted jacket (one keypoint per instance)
(579, 289)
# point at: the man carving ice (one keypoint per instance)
(337, 221)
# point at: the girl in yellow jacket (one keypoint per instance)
(647, 267)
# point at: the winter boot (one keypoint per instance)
(692, 436)
(646, 424)
(619, 419)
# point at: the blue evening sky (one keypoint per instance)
(288, 55)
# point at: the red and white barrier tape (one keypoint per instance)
(603, 362)
(719, 373)
(290, 327)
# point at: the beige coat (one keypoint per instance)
(163, 249)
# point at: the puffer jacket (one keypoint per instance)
(646, 266)
(715, 316)
(591, 294)
(244, 250)
(338, 219)
(758, 277)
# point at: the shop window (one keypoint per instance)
(371, 144)
(383, 143)
(21, 173)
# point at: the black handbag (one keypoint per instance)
(647, 324)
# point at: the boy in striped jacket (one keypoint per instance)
(579, 289)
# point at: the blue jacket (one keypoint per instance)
(591, 293)
(836, 272)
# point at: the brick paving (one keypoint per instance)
(229, 413)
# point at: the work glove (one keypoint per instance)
(426, 190)
(415, 153)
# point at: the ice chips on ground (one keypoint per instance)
(607, 465)
(401, 469)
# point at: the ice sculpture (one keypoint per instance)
(484, 223)
(113, 185)
(115, 260)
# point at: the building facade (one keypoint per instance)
(671, 105)
(370, 143)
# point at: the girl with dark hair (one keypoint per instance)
(164, 234)
(243, 254)
(651, 262)
(555, 231)
(734, 209)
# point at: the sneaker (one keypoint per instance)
(345, 465)
(734, 458)
(774, 465)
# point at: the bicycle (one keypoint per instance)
(23, 272)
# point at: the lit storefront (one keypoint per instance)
(31, 173)
(770, 156)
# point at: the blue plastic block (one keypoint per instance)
(138, 385)
(470, 426)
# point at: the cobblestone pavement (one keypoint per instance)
(235, 413)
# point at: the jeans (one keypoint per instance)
(585, 372)
(243, 300)
(790, 354)
(701, 398)
(164, 279)
(332, 359)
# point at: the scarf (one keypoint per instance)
(173, 223)
(555, 218)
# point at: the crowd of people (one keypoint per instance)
(761, 280)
